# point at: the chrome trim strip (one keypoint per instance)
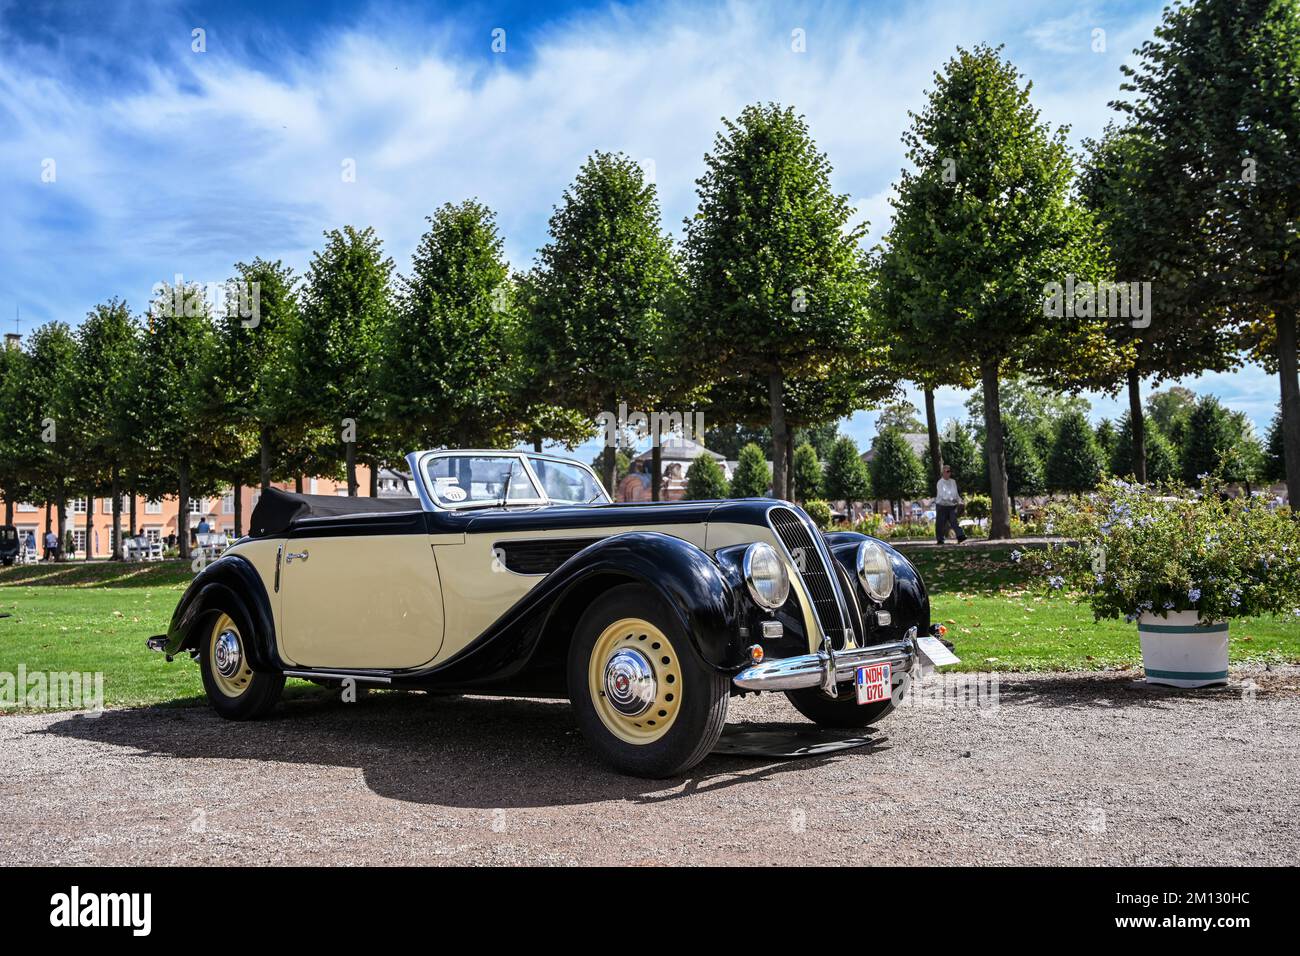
(416, 459)
(339, 675)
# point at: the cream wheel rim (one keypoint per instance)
(230, 670)
(635, 681)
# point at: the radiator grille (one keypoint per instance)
(798, 540)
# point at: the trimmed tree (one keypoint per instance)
(750, 479)
(346, 302)
(1075, 463)
(705, 479)
(108, 349)
(1216, 92)
(1210, 439)
(598, 295)
(807, 473)
(445, 369)
(846, 478)
(776, 278)
(896, 472)
(983, 224)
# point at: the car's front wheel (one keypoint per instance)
(643, 698)
(235, 690)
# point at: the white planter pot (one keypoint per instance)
(1180, 651)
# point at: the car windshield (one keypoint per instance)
(566, 482)
(460, 480)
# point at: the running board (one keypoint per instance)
(339, 675)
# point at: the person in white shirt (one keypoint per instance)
(946, 501)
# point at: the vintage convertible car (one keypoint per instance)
(513, 574)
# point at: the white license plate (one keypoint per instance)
(874, 683)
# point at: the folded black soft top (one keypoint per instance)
(276, 510)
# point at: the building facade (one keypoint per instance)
(159, 520)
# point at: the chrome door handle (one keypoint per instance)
(288, 558)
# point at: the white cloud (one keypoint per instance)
(178, 162)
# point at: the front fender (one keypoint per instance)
(690, 583)
(909, 604)
(233, 579)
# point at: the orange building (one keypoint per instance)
(159, 519)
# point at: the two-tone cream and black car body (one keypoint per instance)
(513, 574)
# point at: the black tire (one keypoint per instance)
(246, 694)
(690, 690)
(844, 711)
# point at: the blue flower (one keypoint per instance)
(1168, 605)
(1056, 581)
(1235, 599)
(1194, 595)
(1016, 556)
(1101, 578)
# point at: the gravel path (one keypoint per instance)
(1075, 769)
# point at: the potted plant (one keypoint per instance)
(1181, 565)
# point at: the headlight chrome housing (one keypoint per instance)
(875, 570)
(766, 575)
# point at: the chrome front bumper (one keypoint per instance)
(828, 667)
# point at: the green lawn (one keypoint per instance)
(998, 622)
(78, 617)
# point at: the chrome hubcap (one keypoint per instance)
(226, 654)
(629, 682)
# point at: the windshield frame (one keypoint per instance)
(420, 461)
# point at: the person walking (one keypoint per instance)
(946, 501)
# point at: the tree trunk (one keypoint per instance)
(537, 444)
(936, 450)
(115, 488)
(789, 469)
(611, 455)
(656, 461)
(131, 506)
(1286, 360)
(9, 511)
(995, 453)
(183, 513)
(264, 457)
(61, 503)
(776, 396)
(297, 483)
(237, 493)
(374, 479)
(49, 517)
(350, 452)
(90, 526)
(1137, 426)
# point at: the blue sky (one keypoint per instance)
(168, 160)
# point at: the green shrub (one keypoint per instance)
(705, 479)
(751, 479)
(820, 512)
(1133, 549)
(978, 507)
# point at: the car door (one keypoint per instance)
(361, 594)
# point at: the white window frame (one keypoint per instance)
(153, 507)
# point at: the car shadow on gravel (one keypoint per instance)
(461, 752)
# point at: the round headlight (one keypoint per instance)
(766, 576)
(875, 570)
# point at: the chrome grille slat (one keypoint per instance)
(796, 537)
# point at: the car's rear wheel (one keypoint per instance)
(643, 698)
(843, 711)
(235, 690)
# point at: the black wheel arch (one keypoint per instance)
(536, 631)
(229, 582)
(909, 604)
